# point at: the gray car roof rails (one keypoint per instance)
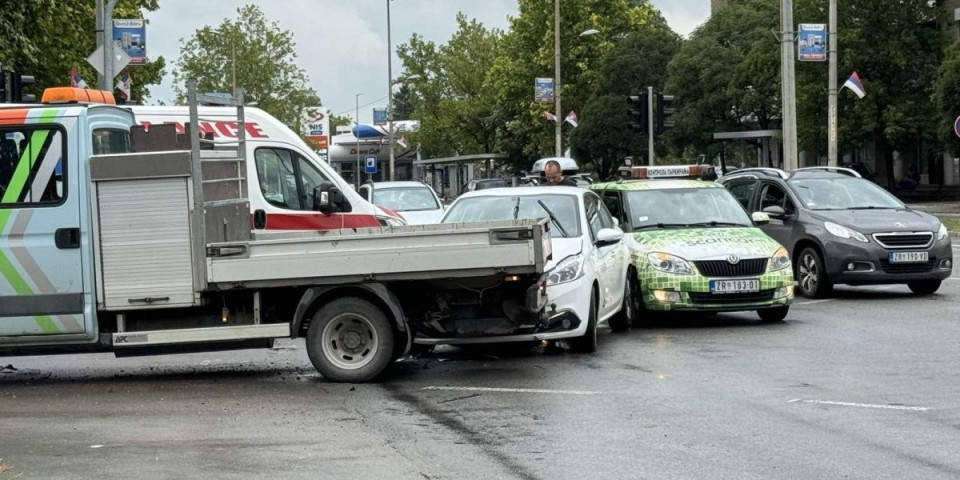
(843, 170)
(755, 171)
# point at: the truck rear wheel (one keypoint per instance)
(350, 340)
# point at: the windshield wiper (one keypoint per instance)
(516, 209)
(871, 207)
(662, 225)
(553, 218)
(716, 224)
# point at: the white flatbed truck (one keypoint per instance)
(135, 249)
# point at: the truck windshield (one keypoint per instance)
(685, 206)
(491, 208)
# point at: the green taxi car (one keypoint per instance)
(694, 248)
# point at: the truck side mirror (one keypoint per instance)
(327, 198)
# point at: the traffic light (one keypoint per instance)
(639, 111)
(17, 82)
(664, 112)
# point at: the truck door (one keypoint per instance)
(41, 278)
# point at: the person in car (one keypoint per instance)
(554, 175)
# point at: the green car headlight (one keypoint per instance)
(667, 263)
(779, 260)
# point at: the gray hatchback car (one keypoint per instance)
(842, 229)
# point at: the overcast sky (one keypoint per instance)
(342, 44)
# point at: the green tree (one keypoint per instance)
(726, 77)
(258, 55)
(454, 91)
(46, 38)
(529, 53)
(604, 137)
(338, 120)
(946, 98)
(403, 103)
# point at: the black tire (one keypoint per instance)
(925, 287)
(588, 342)
(359, 341)
(775, 314)
(811, 274)
(622, 321)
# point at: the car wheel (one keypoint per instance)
(588, 342)
(628, 311)
(350, 340)
(812, 275)
(924, 287)
(775, 314)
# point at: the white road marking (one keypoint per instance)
(513, 390)
(811, 302)
(862, 405)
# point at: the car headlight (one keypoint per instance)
(942, 233)
(392, 222)
(568, 270)
(779, 260)
(844, 232)
(667, 263)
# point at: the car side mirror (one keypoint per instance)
(760, 218)
(327, 198)
(616, 222)
(775, 211)
(609, 236)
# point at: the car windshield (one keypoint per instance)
(842, 193)
(406, 199)
(677, 207)
(490, 208)
(482, 185)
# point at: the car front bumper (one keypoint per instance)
(871, 266)
(692, 293)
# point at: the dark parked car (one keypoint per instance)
(842, 229)
(483, 184)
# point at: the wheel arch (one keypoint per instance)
(378, 294)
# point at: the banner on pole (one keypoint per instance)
(543, 90)
(812, 43)
(131, 36)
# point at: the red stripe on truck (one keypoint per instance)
(319, 221)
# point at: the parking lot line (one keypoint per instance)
(513, 390)
(811, 302)
(862, 405)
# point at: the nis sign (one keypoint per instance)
(316, 127)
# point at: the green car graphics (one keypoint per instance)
(693, 247)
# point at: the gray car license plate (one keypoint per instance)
(909, 257)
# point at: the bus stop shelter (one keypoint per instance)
(453, 171)
(766, 142)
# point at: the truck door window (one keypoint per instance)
(110, 140)
(278, 177)
(310, 179)
(32, 168)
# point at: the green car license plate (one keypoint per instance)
(735, 286)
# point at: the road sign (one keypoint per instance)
(371, 165)
(379, 116)
(120, 59)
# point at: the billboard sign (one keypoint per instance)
(316, 127)
(812, 42)
(131, 36)
(379, 116)
(543, 90)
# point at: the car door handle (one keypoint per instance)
(67, 238)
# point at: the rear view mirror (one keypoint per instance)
(775, 211)
(760, 218)
(327, 198)
(609, 236)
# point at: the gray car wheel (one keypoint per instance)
(811, 274)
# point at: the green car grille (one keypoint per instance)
(723, 268)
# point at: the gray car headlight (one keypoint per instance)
(667, 263)
(942, 233)
(568, 270)
(844, 232)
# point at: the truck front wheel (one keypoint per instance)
(350, 340)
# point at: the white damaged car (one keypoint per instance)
(586, 279)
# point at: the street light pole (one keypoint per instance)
(556, 73)
(832, 88)
(104, 26)
(356, 136)
(789, 112)
(390, 93)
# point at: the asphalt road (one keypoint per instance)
(865, 385)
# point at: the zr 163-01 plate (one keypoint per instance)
(909, 257)
(735, 286)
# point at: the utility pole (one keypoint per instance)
(832, 87)
(556, 73)
(650, 126)
(108, 44)
(390, 92)
(789, 87)
(356, 135)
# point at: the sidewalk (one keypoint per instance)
(947, 211)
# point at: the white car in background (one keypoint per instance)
(586, 278)
(416, 202)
